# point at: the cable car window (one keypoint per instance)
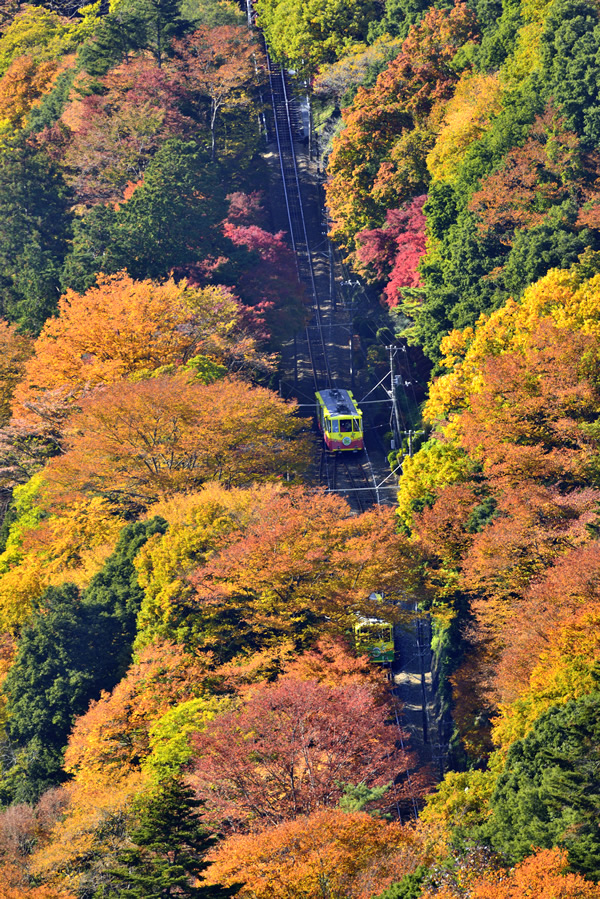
(335, 425)
(345, 425)
(356, 424)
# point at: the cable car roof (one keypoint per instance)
(361, 621)
(339, 402)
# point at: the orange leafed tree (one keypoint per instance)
(137, 442)
(22, 85)
(242, 570)
(330, 853)
(32, 892)
(378, 159)
(307, 553)
(556, 604)
(331, 662)
(540, 876)
(528, 421)
(123, 326)
(83, 842)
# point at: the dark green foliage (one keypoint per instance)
(172, 220)
(357, 797)
(162, 22)
(481, 515)
(553, 244)
(570, 55)
(398, 17)
(167, 855)
(510, 129)
(116, 597)
(457, 289)
(72, 648)
(10, 516)
(549, 792)
(133, 26)
(408, 888)
(441, 208)
(35, 225)
(53, 674)
(52, 105)
(488, 14)
(500, 25)
(116, 36)
(28, 771)
(92, 249)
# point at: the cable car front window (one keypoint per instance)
(335, 425)
(345, 425)
(356, 424)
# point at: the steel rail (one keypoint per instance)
(306, 241)
(284, 136)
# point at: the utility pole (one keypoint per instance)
(295, 362)
(310, 120)
(395, 414)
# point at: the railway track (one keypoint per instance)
(324, 351)
(350, 475)
(285, 128)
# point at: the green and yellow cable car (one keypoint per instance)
(375, 638)
(340, 420)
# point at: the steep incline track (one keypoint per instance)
(284, 122)
(322, 356)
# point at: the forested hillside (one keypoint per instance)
(182, 709)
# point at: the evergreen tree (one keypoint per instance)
(549, 792)
(116, 36)
(570, 56)
(163, 21)
(172, 220)
(35, 224)
(131, 26)
(52, 104)
(167, 855)
(410, 887)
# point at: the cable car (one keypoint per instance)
(375, 638)
(340, 420)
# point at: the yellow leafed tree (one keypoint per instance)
(568, 299)
(478, 98)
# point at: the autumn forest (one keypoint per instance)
(183, 710)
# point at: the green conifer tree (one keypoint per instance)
(167, 853)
